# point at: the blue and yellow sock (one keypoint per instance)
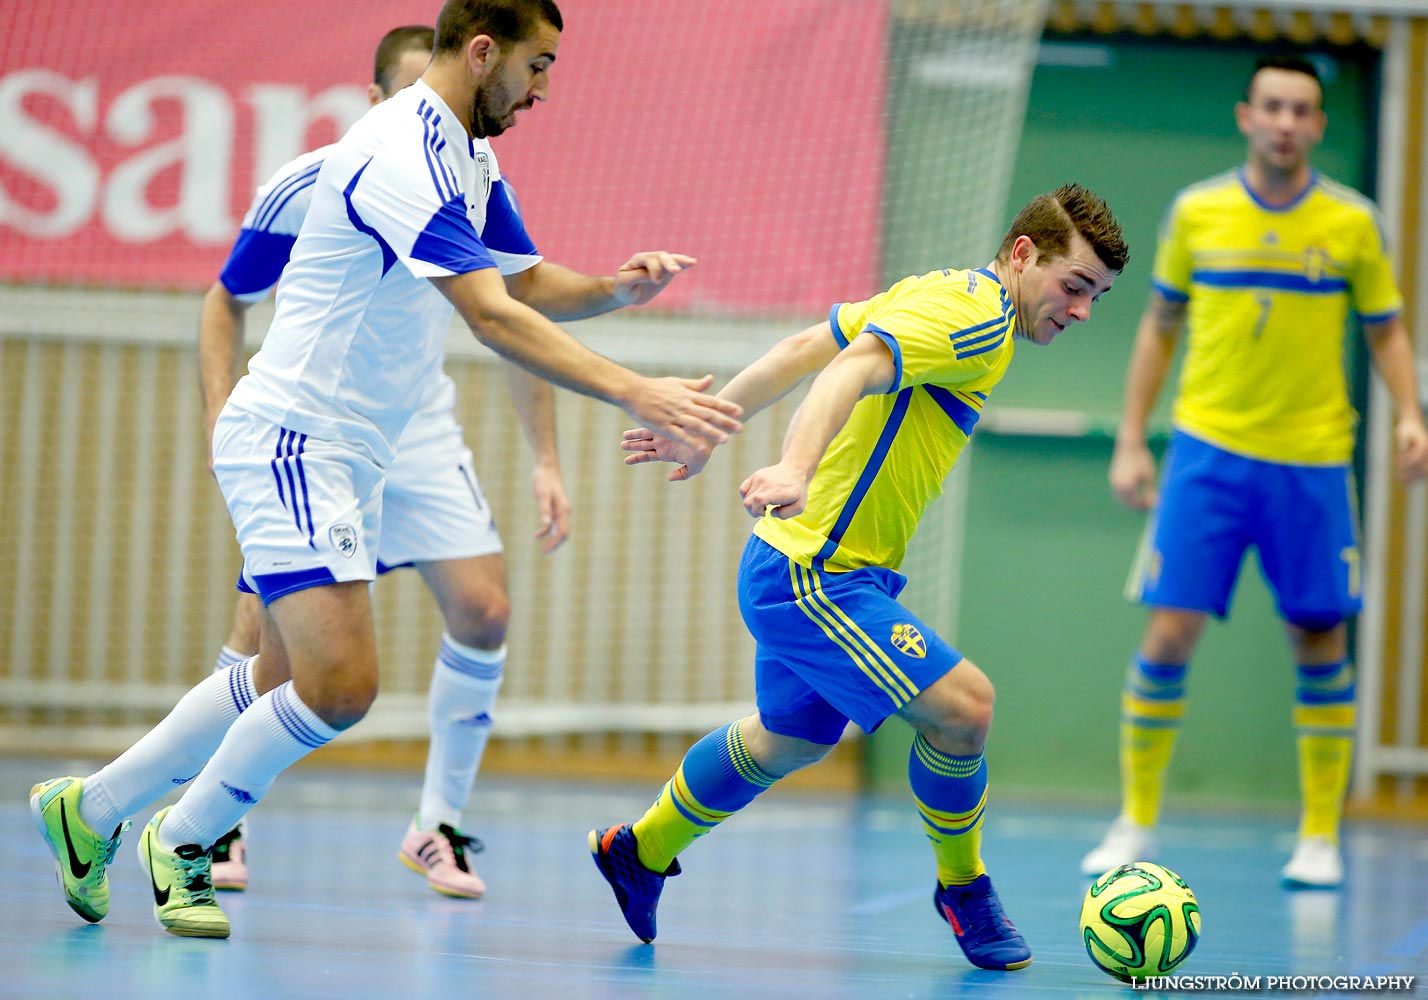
(1152, 705)
(716, 779)
(951, 794)
(1324, 716)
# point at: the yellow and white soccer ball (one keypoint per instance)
(1139, 920)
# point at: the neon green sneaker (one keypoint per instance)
(183, 885)
(81, 855)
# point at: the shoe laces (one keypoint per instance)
(460, 844)
(112, 844)
(195, 871)
(978, 912)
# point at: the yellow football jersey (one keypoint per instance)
(1269, 291)
(950, 333)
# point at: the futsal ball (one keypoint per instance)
(1139, 920)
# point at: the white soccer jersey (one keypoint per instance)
(357, 340)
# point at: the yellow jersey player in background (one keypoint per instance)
(901, 381)
(1267, 262)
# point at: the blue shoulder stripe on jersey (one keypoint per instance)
(865, 481)
(1383, 317)
(991, 346)
(256, 261)
(449, 241)
(1168, 293)
(961, 347)
(389, 256)
(896, 349)
(505, 232)
(438, 176)
(833, 325)
(442, 175)
(278, 197)
(964, 416)
(967, 331)
(1283, 281)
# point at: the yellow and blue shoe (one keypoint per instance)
(82, 856)
(637, 888)
(182, 881)
(988, 938)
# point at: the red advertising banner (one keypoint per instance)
(747, 133)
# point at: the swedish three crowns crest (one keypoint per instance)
(908, 640)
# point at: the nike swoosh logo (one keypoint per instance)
(77, 867)
(161, 896)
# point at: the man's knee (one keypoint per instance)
(777, 754)
(1171, 635)
(479, 616)
(954, 713)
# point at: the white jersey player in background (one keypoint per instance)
(434, 516)
(391, 243)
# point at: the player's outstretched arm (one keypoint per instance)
(561, 294)
(760, 385)
(676, 407)
(866, 367)
(1132, 474)
(1392, 352)
(534, 401)
(220, 345)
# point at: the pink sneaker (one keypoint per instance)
(440, 855)
(230, 861)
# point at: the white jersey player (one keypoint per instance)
(435, 516)
(390, 244)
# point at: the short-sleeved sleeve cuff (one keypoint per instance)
(896, 349)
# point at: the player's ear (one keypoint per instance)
(481, 52)
(375, 95)
(1242, 112)
(1023, 252)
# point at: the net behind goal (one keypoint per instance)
(806, 151)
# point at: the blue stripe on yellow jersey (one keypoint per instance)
(1270, 290)
(950, 333)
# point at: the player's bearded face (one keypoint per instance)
(492, 110)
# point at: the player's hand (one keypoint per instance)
(644, 275)
(1132, 476)
(552, 507)
(777, 490)
(647, 446)
(679, 409)
(1411, 457)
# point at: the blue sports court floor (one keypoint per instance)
(799, 897)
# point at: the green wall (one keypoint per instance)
(1047, 550)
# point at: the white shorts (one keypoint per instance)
(307, 511)
(433, 508)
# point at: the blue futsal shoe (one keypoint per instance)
(988, 938)
(636, 888)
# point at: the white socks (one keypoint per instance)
(463, 693)
(227, 656)
(172, 752)
(272, 735)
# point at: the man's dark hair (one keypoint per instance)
(1290, 61)
(1050, 219)
(507, 21)
(395, 44)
